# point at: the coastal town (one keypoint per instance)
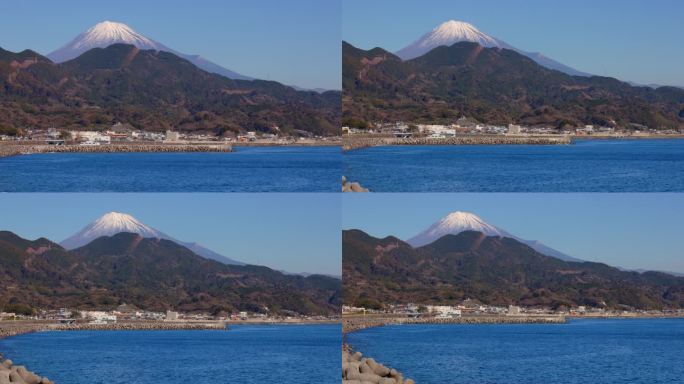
(469, 126)
(473, 309)
(130, 313)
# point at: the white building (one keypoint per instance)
(172, 135)
(171, 316)
(444, 311)
(90, 136)
(99, 317)
(513, 310)
(513, 129)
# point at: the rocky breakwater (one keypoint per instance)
(357, 369)
(142, 326)
(18, 374)
(357, 323)
(348, 186)
(351, 142)
(28, 149)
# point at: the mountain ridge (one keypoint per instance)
(495, 86)
(155, 91)
(494, 270)
(153, 274)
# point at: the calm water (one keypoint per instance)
(582, 351)
(244, 354)
(248, 169)
(586, 166)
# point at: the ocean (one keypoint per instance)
(243, 354)
(653, 165)
(636, 351)
(247, 169)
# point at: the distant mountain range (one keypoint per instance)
(493, 85)
(453, 31)
(494, 270)
(153, 90)
(151, 273)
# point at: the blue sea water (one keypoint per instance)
(247, 169)
(243, 354)
(654, 165)
(583, 351)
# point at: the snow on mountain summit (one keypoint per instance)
(458, 221)
(102, 35)
(449, 33)
(453, 224)
(453, 31)
(106, 33)
(112, 223)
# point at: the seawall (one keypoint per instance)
(354, 142)
(28, 149)
(352, 324)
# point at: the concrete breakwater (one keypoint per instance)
(351, 142)
(28, 149)
(357, 323)
(17, 374)
(357, 369)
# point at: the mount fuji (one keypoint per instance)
(452, 31)
(106, 33)
(113, 223)
(457, 222)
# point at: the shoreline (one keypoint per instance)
(365, 141)
(15, 149)
(7, 150)
(357, 323)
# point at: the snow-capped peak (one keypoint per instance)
(453, 224)
(459, 221)
(449, 33)
(110, 224)
(453, 31)
(106, 33)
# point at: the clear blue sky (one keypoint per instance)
(291, 232)
(294, 42)
(626, 230)
(633, 40)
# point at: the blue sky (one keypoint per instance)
(294, 42)
(291, 232)
(626, 230)
(634, 40)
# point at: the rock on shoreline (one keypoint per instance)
(18, 374)
(348, 186)
(357, 369)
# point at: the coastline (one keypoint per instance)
(357, 323)
(8, 149)
(366, 141)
